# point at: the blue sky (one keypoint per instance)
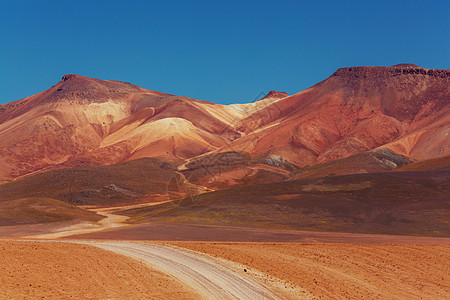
(221, 51)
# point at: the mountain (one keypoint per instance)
(404, 108)
(84, 121)
(401, 112)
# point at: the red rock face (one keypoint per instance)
(86, 121)
(355, 110)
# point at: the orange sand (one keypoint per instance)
(339, 271)
(61, 271)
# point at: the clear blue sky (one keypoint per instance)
(221, 51)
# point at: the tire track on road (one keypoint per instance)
(209, 279)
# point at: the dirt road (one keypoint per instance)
(110, 221)
(198, 271)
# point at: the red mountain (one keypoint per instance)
(404, 108)
(84, 121)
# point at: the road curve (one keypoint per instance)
(207, 278)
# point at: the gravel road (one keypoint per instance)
(209, 279)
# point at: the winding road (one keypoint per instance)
(198, 271)
(208, 278)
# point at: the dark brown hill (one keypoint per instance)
(404, 203)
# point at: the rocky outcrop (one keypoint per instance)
(396, 70)
(275, 95)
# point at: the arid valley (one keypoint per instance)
(112, 191)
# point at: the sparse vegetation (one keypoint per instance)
(411, 203)
(41, 210)
(119, 184)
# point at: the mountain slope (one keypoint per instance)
(86, 121)
(405, 107)
(137, 181)
(373, 161)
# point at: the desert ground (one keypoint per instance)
(344, 271)
(117, 260)
(50, 270)
(114, 259)
(169, 270)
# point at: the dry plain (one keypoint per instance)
(32, 270)
(344, 271)
(43, 270)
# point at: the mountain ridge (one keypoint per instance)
(394, 70)
(87, 121)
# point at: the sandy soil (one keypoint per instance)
(342, 271)
(243, 270)
(31, 270)
(111, 209)
(20, 231)
(110, 221)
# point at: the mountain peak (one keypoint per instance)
(87, 89)
(274, 95)
(70, 76)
